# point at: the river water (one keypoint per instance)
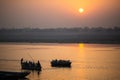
(89, 61)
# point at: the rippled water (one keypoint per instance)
(89, 61)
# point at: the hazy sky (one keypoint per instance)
(59, 13)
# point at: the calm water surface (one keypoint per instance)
(89, 61)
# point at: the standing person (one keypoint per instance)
(21, 60)
(38, 65)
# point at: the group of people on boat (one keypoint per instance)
(60, 63)
(29, 65)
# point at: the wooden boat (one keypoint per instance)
(13, 75)
(61, 63)
(30, 65)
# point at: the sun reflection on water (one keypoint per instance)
(81, 47)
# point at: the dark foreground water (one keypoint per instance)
(89, 61)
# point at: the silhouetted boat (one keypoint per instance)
(13, 75)
(30, 65)
(61, 63)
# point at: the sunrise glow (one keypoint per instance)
(81, 10)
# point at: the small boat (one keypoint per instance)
(61, 63)
(30, 65)
(13, 75)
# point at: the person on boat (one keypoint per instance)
(21, 60)
(38, 65)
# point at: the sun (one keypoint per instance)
(81, 10)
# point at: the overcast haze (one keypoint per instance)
(59, 13)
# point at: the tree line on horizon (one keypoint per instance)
(64, 35)
(73, 28)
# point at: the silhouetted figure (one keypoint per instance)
(21, 60)
(38, 64)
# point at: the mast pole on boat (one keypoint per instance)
(31, 57)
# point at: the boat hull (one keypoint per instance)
(13, 75)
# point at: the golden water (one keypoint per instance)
(89, 61)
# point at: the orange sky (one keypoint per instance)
(59, 13)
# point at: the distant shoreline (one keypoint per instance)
(73, 35)
(54, 43)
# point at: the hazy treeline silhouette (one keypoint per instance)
(63, 35)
